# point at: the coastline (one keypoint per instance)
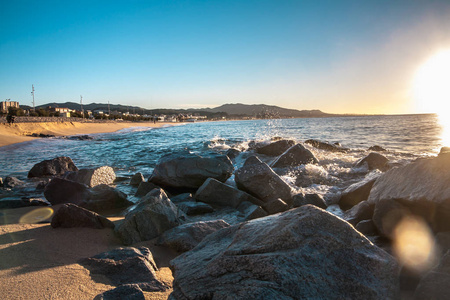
(20, 132)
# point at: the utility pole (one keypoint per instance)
(32, 94)
(81, 103)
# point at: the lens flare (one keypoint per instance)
(414, 244)
(36, 216)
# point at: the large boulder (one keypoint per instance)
(361, 211)
(356, 193)
(422, 187)
(275, 206)
(7, 203)
(192, 208)
(144, 188)
(137, 179)
(325, 146)
(304, 253)
(71, 215)
(11, 182)
(259, 180)
(92, 177)
(52, 167)
(185, 237)
(374, 161)
(153, 215)
(104, 198)
(126, 266)
(190, 171)
(305, 199)
(295, 156)
(275, 148)
(125, 291)
(436, 283)
(215, 192)
(59, 191)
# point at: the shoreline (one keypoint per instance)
(20, 132)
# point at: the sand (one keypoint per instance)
(17, 133)
(40, 262)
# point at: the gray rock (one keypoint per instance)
(376, 148)
(304, 253)
(104, 198)
(126, 266)
(92, 177)
(356, 193)
(185, 237)
(422, 187)
(387, 215)
(11, 182)
(217, 193)
(59, 191)
(275, 206)
(367, 227)
(251, 211)
(252, 160)
(361, 211)
(70, 215)
(153, 215)
(144, 188)
(232, 153)
(261, 181)
(23, 202)
(52, 167)
(314, 199)
(123, 292)
(374, 161)
(137, 179)
(275, 148)
(192, 208)
(436, 283)
(190, 171)
(326, 146)
(295, 156)
(185, 197)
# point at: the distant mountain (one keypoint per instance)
(236, 110)
(267, 110)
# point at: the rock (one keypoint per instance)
(251, 211)
(361, 211)
(92, 177)
(326, 146)
(314, 199)
(366, 227)
(185, 197)
(356, 193)
(104, 198)
(252, 160)
(261, 181)
(52, 167)
(387, 215)
(295, 156)
(137, 179)
(190, 171)
(185, 237)
(275, 148)
(436, 283)
(443, 241)
(192, 208)
(123, 292)
(144, 188)
(153, 215)
(421, 187)
(444, 150)
(374, 161)
(79, 137)
(1, 182)
(126, 266)
(11, 182)
(59, 191)
(376, 148)
(215, 192)
(275, 206)
(304, 253)
(23, 202)
(232, 153)
(71, 215)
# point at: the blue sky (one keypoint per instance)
(336, 56)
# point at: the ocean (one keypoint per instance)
(406, 138)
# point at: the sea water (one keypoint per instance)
(406, 138)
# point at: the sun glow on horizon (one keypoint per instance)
(431, 89)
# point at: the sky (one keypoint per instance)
(336, 56)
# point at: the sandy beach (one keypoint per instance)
(20, 132)
(40, 262)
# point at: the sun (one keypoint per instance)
(432, 90)
(432, 83)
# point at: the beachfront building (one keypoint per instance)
(5, 105)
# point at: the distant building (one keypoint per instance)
(5, 105)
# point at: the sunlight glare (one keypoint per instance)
(432, 90)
